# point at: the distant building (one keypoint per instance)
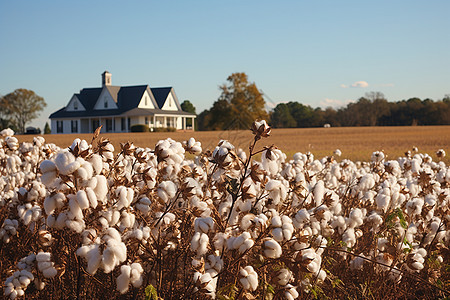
(118, 108)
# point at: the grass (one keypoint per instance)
(356, 143)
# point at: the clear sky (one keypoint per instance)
(320, 53)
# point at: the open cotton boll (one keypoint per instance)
(204, 224)
(136, 275)
(101, 189)
(49, 205)
(272, 249)
(47, 166)
(82, 199)
(123, 280)
(166, 190)
(91, 197)
(75, 208)
(249, 279)
(199, 243)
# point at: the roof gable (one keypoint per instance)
(75, 104)
(166, 98)
(146, 100)
(105, 100)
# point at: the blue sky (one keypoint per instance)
(320, 53)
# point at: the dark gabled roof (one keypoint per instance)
(88, 97)
(127, 99)
(161, 94)
(130, 96)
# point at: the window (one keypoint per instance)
(75, 105)
(146, 120)
(108, 125)
(74, 126)
(129, 123)
(170, 102)
(105, 103)
(145, 99)
(122, 124)
(59, 126)
(95, 125)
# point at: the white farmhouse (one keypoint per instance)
(118, 108)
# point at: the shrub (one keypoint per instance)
(139, 128)
(164, 129)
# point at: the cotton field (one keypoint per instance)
(182, 222)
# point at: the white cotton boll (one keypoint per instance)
(101, 189)
(50, 272)
(61, 220)
(319, 192)
(87, 166)
(94, 260)
(277, 234)
(47, 166)
(204, 224)
(82, 199)
(272, 249)
(109, 260)
(247, 244)
(75, 209)
(123, 280)
(276, 221)
(49, 205)
(91, 197)
(83, 250)
(76, 225)
(24, 281)
(43, 256)
(42, 265)
(82, 173)
(49, 178)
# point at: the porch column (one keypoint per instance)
(192, 127)
(184, 123)
(165, 121)
(154, 121)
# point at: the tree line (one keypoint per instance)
(371, 110)
(241, 102)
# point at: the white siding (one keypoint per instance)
(170, 103)
(146, 101)
(105, 97)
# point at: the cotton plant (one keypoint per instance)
(197, 222)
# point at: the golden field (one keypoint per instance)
(356, 143)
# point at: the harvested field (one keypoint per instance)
(356, 143)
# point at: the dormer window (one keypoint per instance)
(145, 99)
(105, 103)
(170, 102)
(75, 105)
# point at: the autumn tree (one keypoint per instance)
(22, 106)
(239, 104)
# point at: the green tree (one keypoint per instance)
(187, 106)
(47, 129)
(281, 117)
(22, 106)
